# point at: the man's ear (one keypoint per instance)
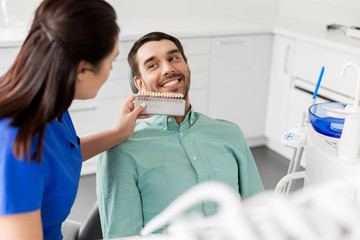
(139, 83)
(84, 70)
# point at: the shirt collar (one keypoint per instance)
(168, 122)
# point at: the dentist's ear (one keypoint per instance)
(85, 73)
(84, 70)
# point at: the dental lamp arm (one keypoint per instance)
(229, 215)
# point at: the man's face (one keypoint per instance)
(162, 68)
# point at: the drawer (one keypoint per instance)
(198, 99)
(195, 46)
(199, 80)
(93, 116)
(3, 71)
(123, 51)
(308, 60)
(7, 57)
(299, 102)
(239, 50)
(113, 89)
(120, 71)
(191, 46)
(199, 63)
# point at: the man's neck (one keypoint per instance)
(180, 119)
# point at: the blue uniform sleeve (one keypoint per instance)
(21, 181)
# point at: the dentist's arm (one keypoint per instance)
(100, 142)
(21, 226)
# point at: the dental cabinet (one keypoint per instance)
(7, 55)
(239, 82)
(278, 93)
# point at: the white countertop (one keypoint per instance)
(192, 27)
(316, 33)
(12, 37)
(196, 26)
(132, 29)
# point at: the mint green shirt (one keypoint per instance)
(139, 178)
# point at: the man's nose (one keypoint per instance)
(167, 68)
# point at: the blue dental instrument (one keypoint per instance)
(318, 83)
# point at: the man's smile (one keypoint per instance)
(171, 83)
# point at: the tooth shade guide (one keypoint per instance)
(165, 95)
(161, 103)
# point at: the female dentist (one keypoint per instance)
(67, 55)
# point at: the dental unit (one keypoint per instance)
(331, 139)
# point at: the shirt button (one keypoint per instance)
(164, 128)
(169, 119)
(181, 134)
(191, 122)
(194, 158)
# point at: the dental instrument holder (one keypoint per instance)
(295, 139)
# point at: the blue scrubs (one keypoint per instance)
(50, 186)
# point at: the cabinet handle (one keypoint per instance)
(82, 109)
(286, 59)
(219, 43)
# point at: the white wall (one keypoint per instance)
(323, 11)
(170, 9)
(17, 12)
(345, 12)
(145, 10)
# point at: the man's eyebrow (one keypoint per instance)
(173, 51)
(149, 60)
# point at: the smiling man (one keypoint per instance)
(167, 155)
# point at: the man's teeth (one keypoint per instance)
(171, 83)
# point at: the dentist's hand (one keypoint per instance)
(129, 115)
(99, 142)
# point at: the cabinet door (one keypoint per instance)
(279, 88)
(197, 51)
(7, 57)
(239, 81)
(308, 59)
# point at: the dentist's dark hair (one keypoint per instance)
(152, 36)
(40, 84)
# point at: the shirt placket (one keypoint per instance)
(201, 166)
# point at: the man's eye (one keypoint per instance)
(173, 58)
(152, 66)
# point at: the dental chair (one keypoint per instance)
(90, 229)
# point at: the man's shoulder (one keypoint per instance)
(216, 121)
(143, 130)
